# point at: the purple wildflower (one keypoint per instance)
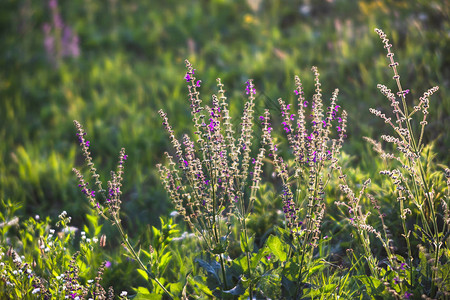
(249, 88)
(198, 83)
(296, 92)
(107, 264)
(407, 295)
(187, 77)
(87, 143)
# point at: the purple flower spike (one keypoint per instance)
(198, 83)
(125, 157)
(288, 107)
(187, 77)
(296, 92)
(87, 143)
(261, 118)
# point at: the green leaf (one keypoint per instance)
(328, 288)
(143, 274)
(256, 259)
(275, 245)
(209, 268)
(314, 270)
(236, 291)
(246, 246)
(165, 259)
(198, 281)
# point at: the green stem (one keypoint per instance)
(407, 243)
(250, 288)
(216, 235)
(136, 257)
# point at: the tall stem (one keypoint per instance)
(136, 257)
(250, 288)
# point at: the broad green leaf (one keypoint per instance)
(143, 273)
(275, 245)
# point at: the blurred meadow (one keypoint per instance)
(113, 64)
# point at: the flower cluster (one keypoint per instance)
(59, 39)
(309, 132)
(208, 176)
(114, 192)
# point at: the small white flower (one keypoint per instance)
(95, 240)
(52, 231)
(47, 249)
(123, 294)
(15, 272)
(83, 233)
(50, 236)
(22, 257)
(77, 298)
(2, 264)
(36, 290)
(88, 240)
(29, 271)
(83, 237)
(50, 244)
(90, 281)
(174, 213)
(37, 217)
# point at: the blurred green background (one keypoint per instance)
(113, 64)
